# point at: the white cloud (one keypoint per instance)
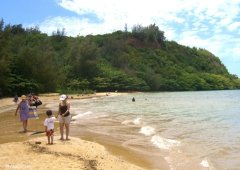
(73, 26)
(234, 26)
(235, 52)
(114, 14)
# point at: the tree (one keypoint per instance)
(83, 58)
(150, 33)
(1, 25)
(138, 32)
(33, 61)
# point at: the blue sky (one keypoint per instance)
(213, 25)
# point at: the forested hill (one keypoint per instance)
(140, 60)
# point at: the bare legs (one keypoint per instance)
(67, 131)
(62, 130)
(25, 123)
(50, 139)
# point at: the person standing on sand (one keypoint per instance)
(49, 126)
(23, 112)
(64, 116)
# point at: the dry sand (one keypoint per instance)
(73, 154)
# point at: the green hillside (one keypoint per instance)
(140, 60)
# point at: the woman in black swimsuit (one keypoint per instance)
(64, 116)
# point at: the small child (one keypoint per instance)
(49, 126)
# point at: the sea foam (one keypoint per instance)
(147, 130)
(164, 143)
(205, 163)
(80, 115)
(136, 121)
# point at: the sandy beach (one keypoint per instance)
(73, 154)
(27, 151)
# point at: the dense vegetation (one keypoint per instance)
(140, 60)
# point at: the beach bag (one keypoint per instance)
(38, 102)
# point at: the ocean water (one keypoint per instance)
(188, 130)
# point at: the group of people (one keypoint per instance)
(63, 116)
(33, 100)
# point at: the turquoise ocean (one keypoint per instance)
(187, 130)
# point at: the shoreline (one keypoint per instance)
(8, 106)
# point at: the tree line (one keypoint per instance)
(140, 60)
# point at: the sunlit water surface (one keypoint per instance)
(193, 130)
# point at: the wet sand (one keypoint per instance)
(74, 154)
